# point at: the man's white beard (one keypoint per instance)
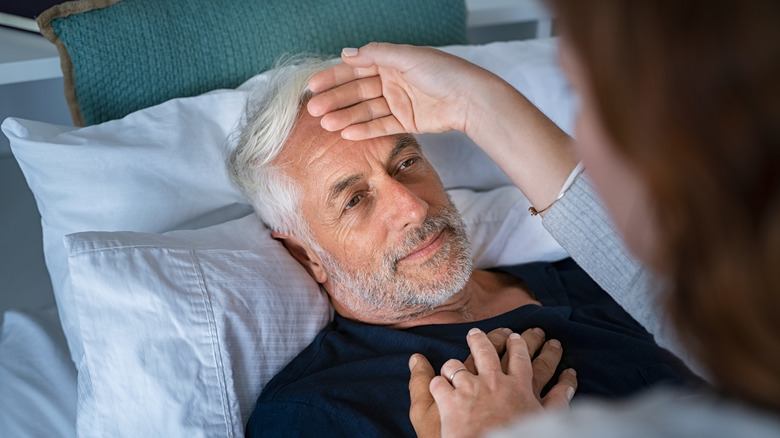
(385, 293)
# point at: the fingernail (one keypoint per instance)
(474, 331)
(349, 52)
(554, 343)
(507, 331)
(514, 336)
(538, 331)
(412, 362)
(571, 371)
(569, 393)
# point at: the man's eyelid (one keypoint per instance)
(348, 198)
(412, 155)
(349, 201)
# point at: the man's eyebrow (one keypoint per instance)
(404, 141)
(341, 186)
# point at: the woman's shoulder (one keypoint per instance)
(658, 413)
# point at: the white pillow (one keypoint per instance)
(156, 170)
(500, 229)
(182, 330)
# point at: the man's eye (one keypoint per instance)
(353, 202)
(408, 163)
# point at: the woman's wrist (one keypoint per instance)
(536, 155)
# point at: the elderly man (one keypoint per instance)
(371, 222)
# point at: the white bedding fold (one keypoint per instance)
(37, 377)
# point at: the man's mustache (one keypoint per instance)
(432, 225)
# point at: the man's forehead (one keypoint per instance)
(314, 150)
(342, 179)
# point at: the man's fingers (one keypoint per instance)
(423, 412)
(534, 338)
(421, 375)
(560, 395)
(498, 338)
(545, 364)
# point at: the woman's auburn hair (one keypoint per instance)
(689, 92)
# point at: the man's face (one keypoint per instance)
(391, 243)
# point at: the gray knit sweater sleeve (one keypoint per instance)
(579, 222)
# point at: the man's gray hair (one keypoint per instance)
(271, 111)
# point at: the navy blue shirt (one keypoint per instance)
(353, 379)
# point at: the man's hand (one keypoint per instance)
(423, 412)
(471, 405)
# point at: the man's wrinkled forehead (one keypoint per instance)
(312, 152)
(345, 179)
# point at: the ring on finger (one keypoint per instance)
(452, 376)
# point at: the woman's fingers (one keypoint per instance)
(498, 338)
(469, 404)
(518, 356)
(357, 69)
(398, 56)
(561, 394)
(375, 128)
(534, 338)
(337, 75)
(452, 368)
(346, 95)
(359, 113)
(486, 359)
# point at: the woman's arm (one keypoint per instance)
(582, 226)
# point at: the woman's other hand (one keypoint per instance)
(469, 405)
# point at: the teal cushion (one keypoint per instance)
(121, 56)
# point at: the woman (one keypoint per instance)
(679, 129)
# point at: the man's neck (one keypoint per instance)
(487, 294)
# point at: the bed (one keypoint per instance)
(174, 305)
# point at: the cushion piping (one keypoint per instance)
(44, 23)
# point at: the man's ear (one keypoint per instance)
(305, 256)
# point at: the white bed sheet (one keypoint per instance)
(37, 378)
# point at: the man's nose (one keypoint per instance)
(403, 207)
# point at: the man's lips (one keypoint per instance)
(426, 248)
